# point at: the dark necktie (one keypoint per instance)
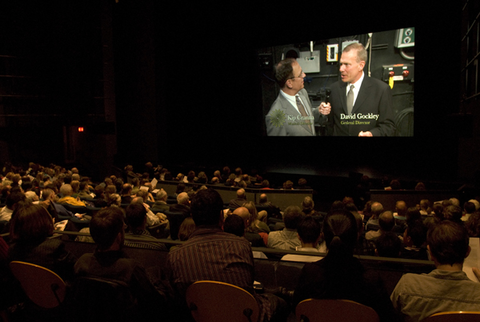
(302, 111)
(350, 100)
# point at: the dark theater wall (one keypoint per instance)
(183, 84)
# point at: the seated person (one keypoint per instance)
(414, 239)
(224, 257)
(66, 191)
(288, 237)
(340, 275)
(386, 222)
(109, 261)
(254, 238)
(136, 219)
(388, 245)
(447, 288)
(31, 233)
(309, 233)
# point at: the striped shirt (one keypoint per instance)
(212, 254)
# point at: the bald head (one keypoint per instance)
(386, 221)
(244, 214)
(241, 194)
(401, 207)
(182, 198)
(377, 209)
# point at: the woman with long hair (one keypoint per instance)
(340, 275)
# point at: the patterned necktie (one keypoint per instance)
(302, 111)
(350, 100)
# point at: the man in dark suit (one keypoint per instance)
(366, 109)
(292, 114)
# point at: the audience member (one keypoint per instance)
(253, 237)
(109, 261)
(239, 201)
(340, 275)
(136, 219)
(14, 197)
(447, 288)
(309, 233)
(66, 191)
(288, 237)
(221, 252)
(388, 245)
(31, 233)
(386, 222)
(468, 210)
(414, 240)
(372, 223)
(186, 229)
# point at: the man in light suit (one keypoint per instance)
(292, 114)
(371, 106)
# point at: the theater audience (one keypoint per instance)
(288, 237)
(221, 252)
(340, 275)
(447, 288)
(31, 240)
(160, 204)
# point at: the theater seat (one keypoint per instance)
(232, 303)
(314, 310)
(454, 316)
(102, 299)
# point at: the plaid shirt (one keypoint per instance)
(211, 254)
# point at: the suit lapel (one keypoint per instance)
(343, 96)
(362, 94)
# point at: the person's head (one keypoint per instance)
(250, 205)
(453, 212)
(292, 216)
(415, 234)
(473, 224)
(183, 198)
(234, 224)
(241, 194)
(15, 196)
(377, 209)
(162, 195)
(207, 207)
(186, 228)
(401, 208)
(308, 203)
(352, 62)
(66, 190)
(469, 207)
(243, 213)
(476, 203)
(289, 76)
(136, 216)
(340, 232)
(263, 198)
(448, 242)
(386, 221)
(388, 245)
(126, 189)
(30, 223)
(309, 231)
(107, 228)
(412, 215)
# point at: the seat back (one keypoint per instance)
(217, 301)
(454, 316)
(102, 299)
(42, 286)
(312, 310)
